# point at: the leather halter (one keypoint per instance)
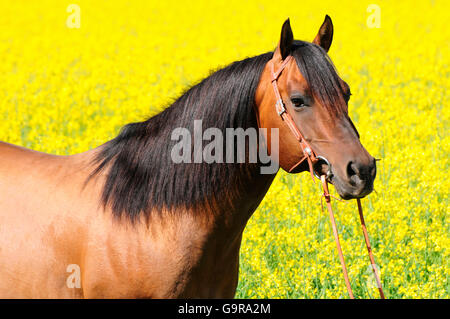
(308, 153)
(312, 158)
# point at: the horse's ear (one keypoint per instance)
(325, 35)
(286, 40)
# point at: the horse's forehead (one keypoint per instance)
(294, 79)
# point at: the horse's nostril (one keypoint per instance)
(352, 173)
(355, 174)
(360, 177)
(360, 174)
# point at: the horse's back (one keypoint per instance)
(29, 179)
(37, 219)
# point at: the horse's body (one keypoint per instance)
(178, 256)
(132, 223)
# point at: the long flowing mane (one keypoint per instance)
(141, 173)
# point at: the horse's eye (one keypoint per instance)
(298, 102)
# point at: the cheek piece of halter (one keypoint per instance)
(312, 158)
(308, 153)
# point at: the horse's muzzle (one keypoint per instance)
(358, 181)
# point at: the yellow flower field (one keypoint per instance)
(66, 90)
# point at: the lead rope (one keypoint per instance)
(327, 196)
(369, 249)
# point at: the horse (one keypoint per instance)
(124, 220)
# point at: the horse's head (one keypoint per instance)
(316, 99)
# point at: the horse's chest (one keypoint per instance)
(204, 270)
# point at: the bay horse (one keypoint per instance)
(131, 223)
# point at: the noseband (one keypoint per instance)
(308, 153)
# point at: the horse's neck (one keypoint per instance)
(218, 242)
(232, 218)
(243, 206)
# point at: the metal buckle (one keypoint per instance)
(328, 174)
(308, 151)
(283, 109)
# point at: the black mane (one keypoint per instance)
(140, 171)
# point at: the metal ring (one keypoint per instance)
(326, 162)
